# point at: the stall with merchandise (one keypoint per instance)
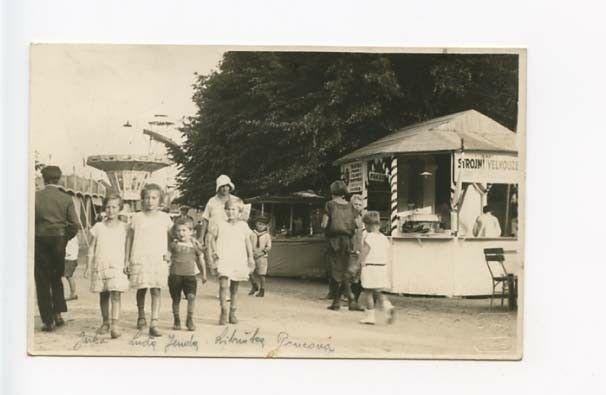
(431, 182)
(298, 242)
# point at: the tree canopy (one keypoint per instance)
(275, 121)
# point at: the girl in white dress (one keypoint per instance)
(374, 258)
(148, 264)
(233, 256)
(106, 264)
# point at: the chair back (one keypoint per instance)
(494, 260)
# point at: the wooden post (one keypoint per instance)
(393, 182)
(262, 208)
(365, 185)
(507, 198)
(291, 218)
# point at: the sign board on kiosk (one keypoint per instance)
(486, 168)
(376, 176)
(353, 177)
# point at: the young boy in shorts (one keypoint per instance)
(261, 247)
(187, 260)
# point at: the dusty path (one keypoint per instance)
(291, 321)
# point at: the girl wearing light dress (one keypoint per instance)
(233, 257)
(375, 256)
(148, 261)
(106, 264)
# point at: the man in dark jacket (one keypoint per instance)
(56, 223)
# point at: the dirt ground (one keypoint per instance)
(290, 321)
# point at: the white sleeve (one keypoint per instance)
(169, 223)
(94, 229)
(206, 213)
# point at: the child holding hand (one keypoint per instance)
(232, 256)
(106, 264)
(148, 264)
(187, 260)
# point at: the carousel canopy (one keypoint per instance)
(479, 133)
(128, 162)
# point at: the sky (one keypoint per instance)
(81, 95)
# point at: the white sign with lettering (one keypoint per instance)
(487, 168)
(353, 177)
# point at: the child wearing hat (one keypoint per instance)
(261, 248)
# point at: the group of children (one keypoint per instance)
(152, 252)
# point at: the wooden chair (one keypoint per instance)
(494, 260)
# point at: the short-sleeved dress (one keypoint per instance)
(214, 212)
(231, 250)
(148, 268)
(107, 270)
(374, 270)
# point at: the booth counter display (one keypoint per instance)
(298, 244)
(430, 182)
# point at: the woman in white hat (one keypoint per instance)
(214, 210)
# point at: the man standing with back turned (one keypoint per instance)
(56, 223)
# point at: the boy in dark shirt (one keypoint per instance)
(187, 260)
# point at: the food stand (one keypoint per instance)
(298, 244)
(430, 181)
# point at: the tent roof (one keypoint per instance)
(479, 132)
(77, 185)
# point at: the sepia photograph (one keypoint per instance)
(276, 202)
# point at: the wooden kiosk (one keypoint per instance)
(430, 181)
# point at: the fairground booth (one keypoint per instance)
(298, 243)
(430, 182)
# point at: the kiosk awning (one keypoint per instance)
(479, 132)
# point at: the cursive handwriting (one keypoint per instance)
(176, 343)
(83, 339)
(235, 337)
(284, 340)
(142, 341)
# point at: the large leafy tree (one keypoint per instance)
(275, 121)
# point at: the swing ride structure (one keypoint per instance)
(128, 173)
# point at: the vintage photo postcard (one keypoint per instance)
(276, 202)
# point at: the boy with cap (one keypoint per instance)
(261, 248)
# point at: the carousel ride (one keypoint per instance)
(129, 172)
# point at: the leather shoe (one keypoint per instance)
(59, 320)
